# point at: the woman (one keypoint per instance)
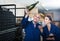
(32, 32)
(50, 32)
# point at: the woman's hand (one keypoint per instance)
(50, 38)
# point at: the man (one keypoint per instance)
(32, 32)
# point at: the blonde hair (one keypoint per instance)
(37, 14)
(42, 15)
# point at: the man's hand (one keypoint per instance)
(41, 28)
(27, 11)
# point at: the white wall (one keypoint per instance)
(47, 4)
(19, 3)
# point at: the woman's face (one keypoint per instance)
(47, 21)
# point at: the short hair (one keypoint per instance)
(49, 17)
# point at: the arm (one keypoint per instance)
(25, 19)
(41, 30)
(57, 34)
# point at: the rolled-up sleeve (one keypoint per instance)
(24, 21)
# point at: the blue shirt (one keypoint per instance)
(31, 33)
(54, 29)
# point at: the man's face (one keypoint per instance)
(36, 17)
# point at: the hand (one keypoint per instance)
(50, 38)
(26, 13)
(41, 28)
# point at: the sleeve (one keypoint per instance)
(24, 21)
(57, 34)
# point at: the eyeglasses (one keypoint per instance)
(37, 17)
